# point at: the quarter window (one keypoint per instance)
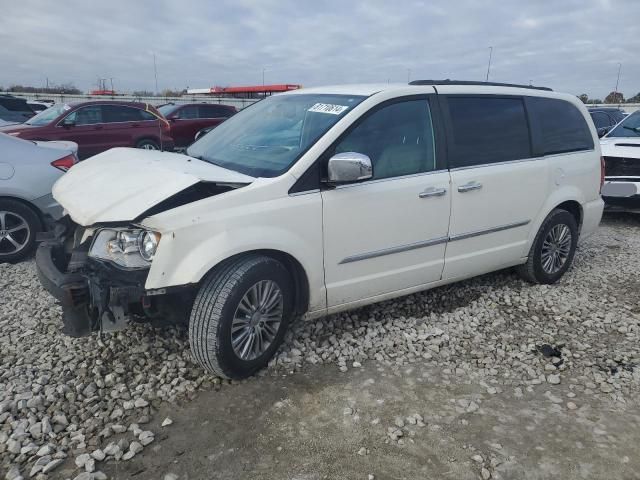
(557, 126)
(214, 111)
(486, 130)
(398, 138)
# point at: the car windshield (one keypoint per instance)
(629, 127)
(267, 138)
(167, 109)
(50, 114)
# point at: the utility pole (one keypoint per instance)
(112, 90)
(489, 65)
(155, 72)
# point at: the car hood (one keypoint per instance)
(17, 127)
(121, 184)
(628, 147)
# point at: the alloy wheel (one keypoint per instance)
(257, 320)
(14, 233)
(556, 249)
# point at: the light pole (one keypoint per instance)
(618, 80)
(489, 65)
(155, 72)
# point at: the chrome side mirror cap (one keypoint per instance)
(349, 167)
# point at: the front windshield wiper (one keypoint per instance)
(633, 129)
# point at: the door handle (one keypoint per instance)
(467, 187)
(432, 192)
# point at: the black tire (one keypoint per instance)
(216, 304)
(14, 213)
(147, 144)
(533, 270)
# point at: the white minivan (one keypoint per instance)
(322, 200)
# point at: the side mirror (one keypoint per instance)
(349, 167)
(602, 131)
(68, 122)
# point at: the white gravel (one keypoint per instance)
(89, 399)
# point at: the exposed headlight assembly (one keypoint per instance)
(129, 248)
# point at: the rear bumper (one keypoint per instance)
(591, 216)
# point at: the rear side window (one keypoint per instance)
(215, 111)
(118, 113)
(601, 119)
(486, 129)
(557, 126)
(188, 113)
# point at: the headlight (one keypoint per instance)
(130, 248)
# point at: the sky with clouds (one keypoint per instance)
(569, 45)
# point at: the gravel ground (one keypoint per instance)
(69, 406)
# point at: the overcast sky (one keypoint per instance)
(569, 45)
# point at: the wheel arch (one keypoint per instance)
(27, 204)
(298, 274)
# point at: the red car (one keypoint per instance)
(97, 126)
(186, 120)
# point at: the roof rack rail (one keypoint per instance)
(471, 82)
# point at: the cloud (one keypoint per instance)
(572, 46)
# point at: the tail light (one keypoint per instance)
(602, 169)
(65, 163)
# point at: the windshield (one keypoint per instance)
(50, 114)
(629, 127)
(267, 138)
(166, 110)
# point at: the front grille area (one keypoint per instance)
(622, 167)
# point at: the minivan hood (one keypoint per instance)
(121, 184)
(628, 147)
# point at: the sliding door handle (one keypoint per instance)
(432, 192)
(467, 187)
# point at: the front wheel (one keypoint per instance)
(553, 249)
(240, 316)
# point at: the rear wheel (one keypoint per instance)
(240, 316)
(147, 144)
(553, 249)
(18, 227)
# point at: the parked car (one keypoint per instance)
(188, 119)
(322, 200)
(14, 109)
(98, 125)
(38, 106)
(28, 171)
(621, 151)
(605, 118)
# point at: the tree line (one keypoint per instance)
(613, 97)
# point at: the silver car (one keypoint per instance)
(28, 170)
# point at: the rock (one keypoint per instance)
(52, 465)
(571, 406)
(363, 451)
(146, 437)
(140, 403)
(486, 474)
(553, 379)
(45, 450)
(83, 476)
(171, 476)
(166, 422)
(98, 455)
(347, 411)
(135, 447)
(90, 465)
(477, 458)
(82, 459)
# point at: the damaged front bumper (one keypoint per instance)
(97, 295)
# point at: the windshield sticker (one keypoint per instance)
(328, 108)
(66, 107)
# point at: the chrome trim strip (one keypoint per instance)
(477, 233)
(305, 192)
(379, 180)
(508, 162)
(389, 251)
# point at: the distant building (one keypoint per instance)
(257, 91)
